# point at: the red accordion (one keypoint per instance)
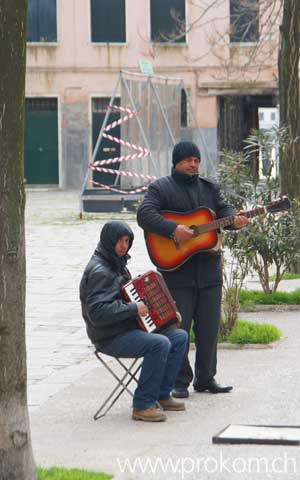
(151, 289)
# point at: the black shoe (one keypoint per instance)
(213, 387)
(180, 392)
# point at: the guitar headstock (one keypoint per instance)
(279, 205)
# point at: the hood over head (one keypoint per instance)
(111, 232)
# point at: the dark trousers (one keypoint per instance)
(162, 352)
(202, 305)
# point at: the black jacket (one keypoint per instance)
(105, 312)
(182, 193)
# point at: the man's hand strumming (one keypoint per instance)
(182, 233)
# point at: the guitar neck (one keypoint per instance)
(226, 221)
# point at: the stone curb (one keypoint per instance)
(270, 308)
(249, 346)
(245, 346)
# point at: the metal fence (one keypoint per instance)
(164, 116)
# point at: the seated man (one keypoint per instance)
(113, 329)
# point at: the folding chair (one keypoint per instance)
(130, 374)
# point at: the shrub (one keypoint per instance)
(248, 332)
(269, 241)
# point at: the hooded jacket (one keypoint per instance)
(104, 310)
(182, 193)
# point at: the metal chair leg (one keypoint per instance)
(122, 383)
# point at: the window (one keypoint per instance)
(261, 116)
(41, 21)
(100, 104)
(41, 104)
(244, 21)
(273, 116)
(108, 21)
(167, 21)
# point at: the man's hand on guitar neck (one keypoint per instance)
(182, 233)
(240, 220)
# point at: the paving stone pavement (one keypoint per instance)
(58, 246)
(66, 384)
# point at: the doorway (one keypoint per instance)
(41, 141)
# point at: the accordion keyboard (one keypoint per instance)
(151, 289)
(147, 320)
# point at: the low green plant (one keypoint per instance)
(248, 332)
(257, 297)
(286, 276)
(56, 473)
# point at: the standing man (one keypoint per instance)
(196, 286)
(112, 327)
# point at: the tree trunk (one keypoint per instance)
(288, 69)
(16, 459)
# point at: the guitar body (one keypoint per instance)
(168, 256)
(163, 251)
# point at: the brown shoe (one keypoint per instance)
(172, 405)
(151, 414)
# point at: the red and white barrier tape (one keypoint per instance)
(121, 109)
(143, 152)
(131, 192)
(123, 173)
(126, 144)
(118, 122)
(123, 158)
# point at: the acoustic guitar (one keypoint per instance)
(168, 255)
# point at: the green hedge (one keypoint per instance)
(257, 297)
(286, 276)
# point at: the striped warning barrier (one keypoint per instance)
(123, 158)
(126, 144)
(140, 153)
(131, 192)
(121, 109)
(123, 173)
(120, 121)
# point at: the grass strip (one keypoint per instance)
(248, 332)
(56, 473)
(286, 276)
(257, 297)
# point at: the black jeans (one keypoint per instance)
(203, 305)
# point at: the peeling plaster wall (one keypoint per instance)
(74, 70)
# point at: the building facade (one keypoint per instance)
(226, 55)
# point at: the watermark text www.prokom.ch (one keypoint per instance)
(184, 466)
